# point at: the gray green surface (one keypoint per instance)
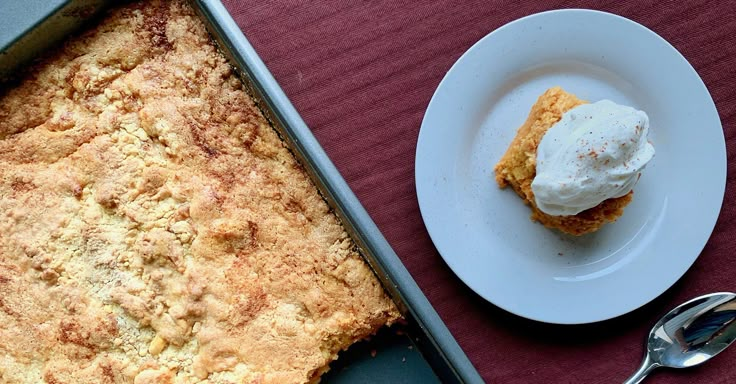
(388, 357)
(19, 16)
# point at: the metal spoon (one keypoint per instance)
(690, 334)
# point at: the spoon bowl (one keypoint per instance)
(690, 334)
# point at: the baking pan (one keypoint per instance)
(420, 351)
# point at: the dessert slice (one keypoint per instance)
(592, 160)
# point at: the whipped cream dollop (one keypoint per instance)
(595, 152)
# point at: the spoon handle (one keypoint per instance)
(647, 365)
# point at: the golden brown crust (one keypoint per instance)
(517, 167)
(154, 227)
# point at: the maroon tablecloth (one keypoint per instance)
(361, 73)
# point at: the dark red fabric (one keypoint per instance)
(361, 73)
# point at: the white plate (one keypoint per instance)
(484, 233)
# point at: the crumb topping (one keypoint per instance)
(155, 229)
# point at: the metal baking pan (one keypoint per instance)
(422, 350)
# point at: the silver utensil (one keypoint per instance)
(690, 334)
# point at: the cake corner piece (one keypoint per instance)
(517, 167)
